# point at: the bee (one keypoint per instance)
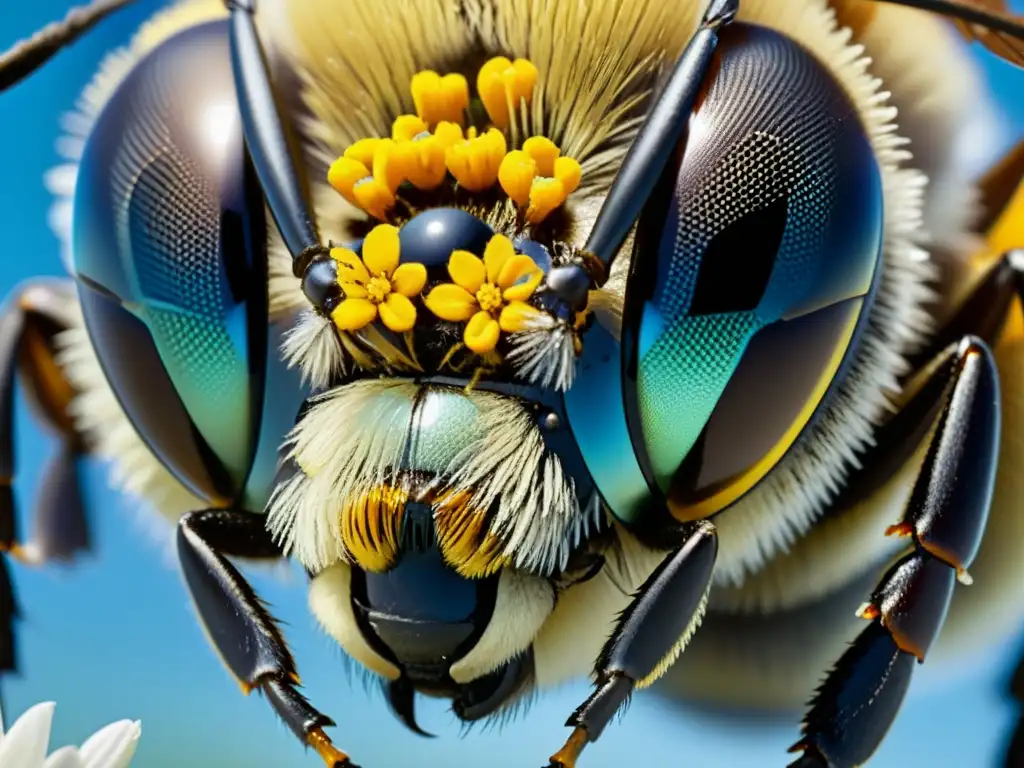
(417, 296)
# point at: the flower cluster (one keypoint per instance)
(435, 147)
(489, 295)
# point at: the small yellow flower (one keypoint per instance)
(474, 161)
(373, 192)
(503, 85)
(440, 99)
(376, 284)
(491, 294)
(537, 178)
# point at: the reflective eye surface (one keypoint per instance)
(169, 246)
(752, 266)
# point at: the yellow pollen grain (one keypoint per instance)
(378, 288)
(489, 297)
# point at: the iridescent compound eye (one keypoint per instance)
(169, 243)
(753, 265)
(752, 269)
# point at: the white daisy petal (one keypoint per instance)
(25, 744)
(113, 746)
(66, 757)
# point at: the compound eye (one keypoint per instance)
(752, 270)
(169, 247)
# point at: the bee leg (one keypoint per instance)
(29, 322)
(649, 636)
(245, 635)
(945, 519)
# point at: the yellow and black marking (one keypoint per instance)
(464, 536)
(371, 526)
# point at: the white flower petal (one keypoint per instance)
(66, 757)
(25, 744)
(113, 746)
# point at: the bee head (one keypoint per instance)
(435, 522)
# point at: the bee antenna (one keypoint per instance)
(26, 56)
(658, 137)
(270, 142)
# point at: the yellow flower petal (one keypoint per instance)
(519, 277)
(499, 250)
(569, 172)
(520, 82)
(353, 314)
(354, 290)
(447, 133)
(385, 169)
(502, 84)
(544, 153)
(466, 270)
(350, 268)
(344, 174)
(475, 162)
(491, 88)
(362, 151)
(407, 128)
(516, 174)
(517, 316)
(421, 162)
(374, 197)
(398, 313)
(450, 302)
(380, 250)
(545, 196)
(439, 98)
(409, 279)
(482, 333)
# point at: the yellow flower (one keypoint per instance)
(474, 161)
(376, 284)
(440, 99)
(418, 156)
(537, 179)
(373, 192)
(491, 294)
(503, 85)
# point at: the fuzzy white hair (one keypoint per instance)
(352, 438)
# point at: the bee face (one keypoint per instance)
(454, 466)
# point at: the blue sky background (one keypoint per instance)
(115, 637)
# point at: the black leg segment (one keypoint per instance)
(945, 519)
(239, 625)
(29, 321)
(648, 637)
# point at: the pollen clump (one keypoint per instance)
(474, 162)
(503, 85)
(440, 99)
(435, 147)
(537, 178)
